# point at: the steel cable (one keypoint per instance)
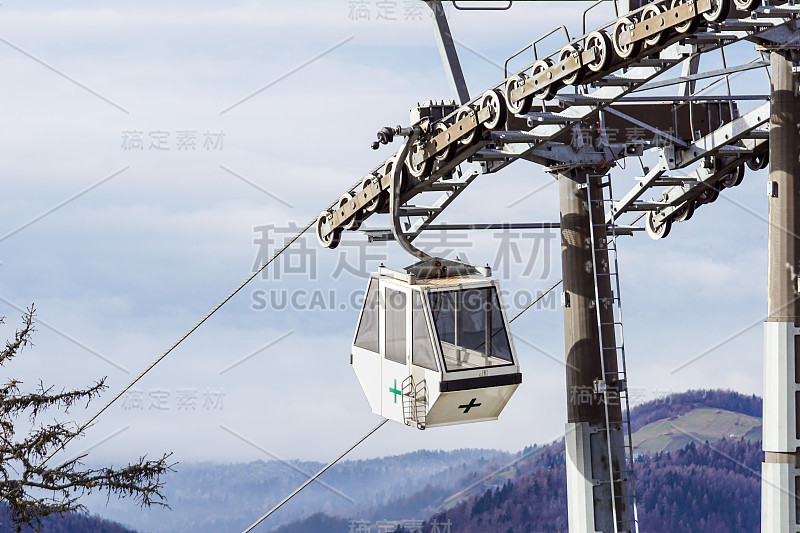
(315, 476)
(225, 300)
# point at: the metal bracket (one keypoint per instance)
(772, 189)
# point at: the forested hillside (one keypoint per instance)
(708, 488)
(214, 497)
(696, 487)
(703, 487)
(69, 523)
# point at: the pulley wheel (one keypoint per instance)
(734, 178)
(688, 26)
(353, 222)
(421, 169)
(603, 50)
(657, 232)
(333, 238)
(494, 100)
(652, 12)
(709, 195)
(685, 212)
(621, 28)
(759, 162)
(571, 51)
(470, 137)
(388, 169)
(522, 106)
(719, 11)
(444, 154)
(376, 203)
(746, 5)
(548, 87)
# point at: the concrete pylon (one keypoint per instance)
(780, 472)
(589, 471)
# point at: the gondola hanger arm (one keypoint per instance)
(394, 195)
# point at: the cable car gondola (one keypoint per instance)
(432, 346)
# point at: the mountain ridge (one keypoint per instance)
(693, 417)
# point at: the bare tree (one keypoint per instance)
(31, 488)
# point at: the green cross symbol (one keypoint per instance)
(394, 391)
(469, 406)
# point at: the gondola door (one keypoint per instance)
(395, 347)
(423, 361)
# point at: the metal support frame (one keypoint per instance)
(733, 143)
(723, 136)
(536, 144)
(689, 68)
(447, 49)
(686, 78)
(662, 134)
(696, 182)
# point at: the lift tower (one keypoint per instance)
(596, 84)
(599, 490)
(780, 472)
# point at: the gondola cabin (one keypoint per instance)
(432, 346)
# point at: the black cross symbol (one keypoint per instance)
(469, 406)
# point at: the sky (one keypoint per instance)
(152, 154)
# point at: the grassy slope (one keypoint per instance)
(702, 424)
